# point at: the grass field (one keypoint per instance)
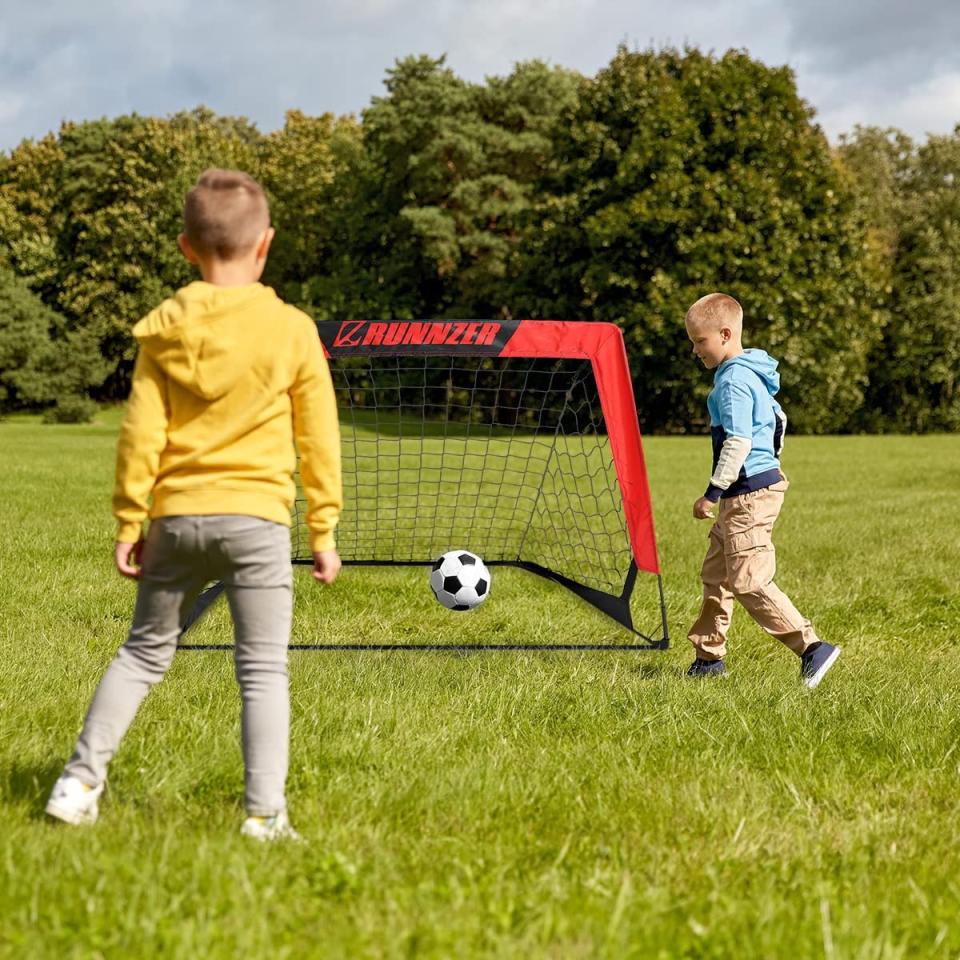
(505, 805)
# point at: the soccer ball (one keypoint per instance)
(460, 580)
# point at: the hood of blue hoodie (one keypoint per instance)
(760, 362)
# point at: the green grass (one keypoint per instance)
(505, 805)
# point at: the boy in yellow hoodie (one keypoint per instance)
(227, 378)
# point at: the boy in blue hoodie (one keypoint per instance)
(747, 427)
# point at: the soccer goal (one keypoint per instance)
(516, 440)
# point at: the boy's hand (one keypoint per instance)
(326, 566)
(703, 509)
(126, 557)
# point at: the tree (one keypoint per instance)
(123, 187)
(678, 174)
(918, 371)
(97, 212)
(41, 363)
(452, 169)
(547, 194)
(908, 194)
(880, 165)
(880, 162)
(309, 168)
(30, 181)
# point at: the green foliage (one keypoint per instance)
(880, 162)
(542, 193)
(30, 181)
(910, 194)
(41, 362)
(920, 379)
(679, 174)
(114, 216)
(306, 168)
(24, 322)
(454, 167)
(71, 410)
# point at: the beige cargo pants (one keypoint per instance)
(741, 563)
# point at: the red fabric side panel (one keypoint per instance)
(602, 344)
(623, 429)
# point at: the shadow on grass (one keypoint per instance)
(31, 784)
(651, 671)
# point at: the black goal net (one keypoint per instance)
(509, 461)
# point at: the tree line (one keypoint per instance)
(546, 194)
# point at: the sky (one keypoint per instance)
(872, 62)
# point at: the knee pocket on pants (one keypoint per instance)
(751, 567)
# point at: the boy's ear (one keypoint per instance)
(187, 250)
(263, 244)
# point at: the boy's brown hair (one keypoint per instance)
(716, 310)
(224, 213)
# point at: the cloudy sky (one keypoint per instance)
(883, 62)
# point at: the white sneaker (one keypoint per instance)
(73, 801)
(267, 829)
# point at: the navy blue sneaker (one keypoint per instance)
(706, 668)
(815, 663)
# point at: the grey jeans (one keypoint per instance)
(252, 558)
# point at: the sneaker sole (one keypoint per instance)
(256, 829)
(74, 817)
(811, 682)
(287, 836)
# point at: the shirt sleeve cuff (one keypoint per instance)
(129, 531)
(713, 492)
(322, 541)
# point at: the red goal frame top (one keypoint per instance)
(600, 343)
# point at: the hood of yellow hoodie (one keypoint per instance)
(200, 337)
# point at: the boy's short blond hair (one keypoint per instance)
(224, 213)
(714, 311)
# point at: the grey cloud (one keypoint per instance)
(257, 59)
(236, 57)
(60, 59)
(878, 62)
(848, 37)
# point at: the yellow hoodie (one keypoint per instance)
(225, 379)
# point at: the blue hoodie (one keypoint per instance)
(741, 404)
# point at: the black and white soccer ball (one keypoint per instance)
(460, 580)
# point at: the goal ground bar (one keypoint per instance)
(440, 647)
(213, 592)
